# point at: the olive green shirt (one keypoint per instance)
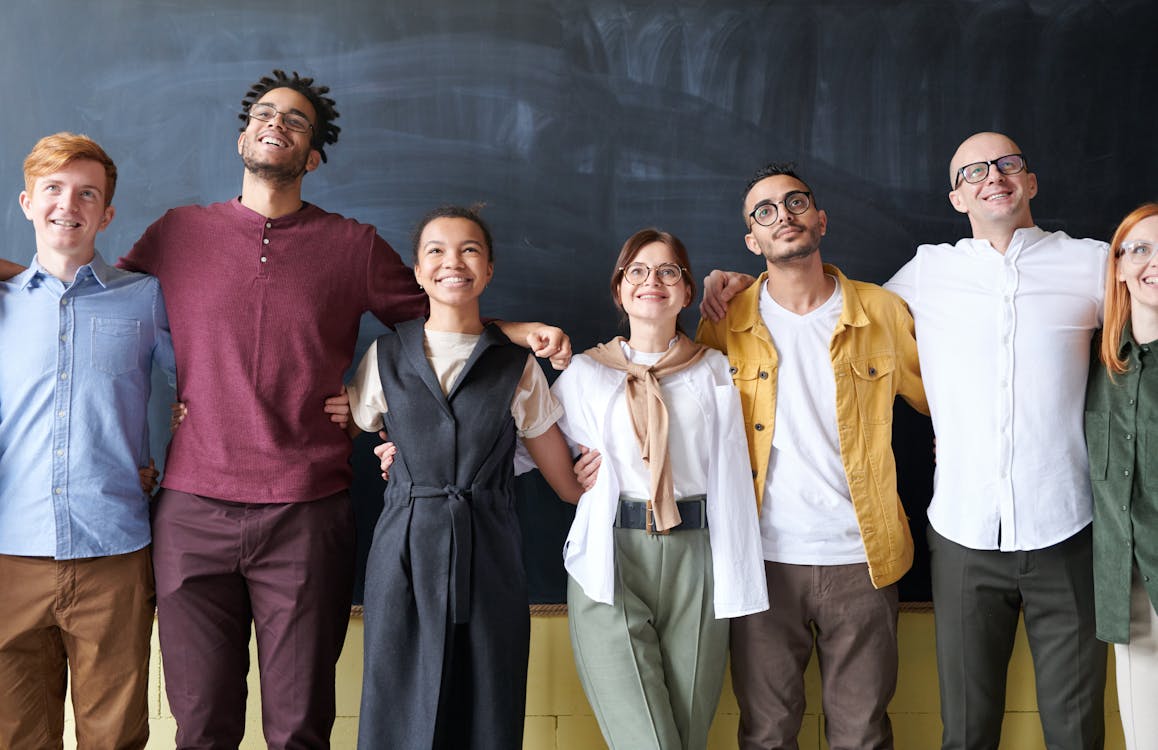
(1122, 440)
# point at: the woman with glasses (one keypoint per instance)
(447, 625)
(666, 543)
(1122, 437)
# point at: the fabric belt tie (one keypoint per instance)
(461, 540)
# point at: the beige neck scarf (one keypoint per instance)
(649, 415)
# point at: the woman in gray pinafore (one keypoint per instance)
(446, 617)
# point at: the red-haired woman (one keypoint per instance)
(1122, 437)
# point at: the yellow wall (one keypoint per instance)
(558, 717)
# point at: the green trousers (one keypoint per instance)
(652, 664)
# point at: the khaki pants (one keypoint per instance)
(91, 617)
(652, 664)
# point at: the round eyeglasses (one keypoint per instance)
(292, 120)
(668, 274)
(796, 203)
(1137, 253)
(977, 171)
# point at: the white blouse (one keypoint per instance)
(709, 455)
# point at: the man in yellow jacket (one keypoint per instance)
(835, 535)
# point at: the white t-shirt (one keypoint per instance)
(688, 433)
(808, 517)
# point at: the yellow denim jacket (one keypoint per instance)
(874, 358)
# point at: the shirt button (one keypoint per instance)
(60, 490)
(758, 427)
(1124, 508)
(265, 241)
(60, 451)
(64, 338)
(1129, 436)
(754, 473)
(269, 225)
(872, 371)
(64, 376)
(732, 370)
(60, 413)
(63, 302)
(264, 259)
(763, 375)
(1126, 473)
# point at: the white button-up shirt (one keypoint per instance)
(1004, 342)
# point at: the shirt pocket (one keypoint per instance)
(115, 344)
(1098, 443)
(873, 379)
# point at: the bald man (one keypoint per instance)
(1004, 321)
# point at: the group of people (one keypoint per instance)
(736, 489)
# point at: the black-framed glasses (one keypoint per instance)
(796, 203)
(1138, 252)
(668, 274)
(292, 120)
(977, 171)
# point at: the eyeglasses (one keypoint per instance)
(668, 274)
(796, 203)
(292, 120)
(1138, 252)
(979, 170)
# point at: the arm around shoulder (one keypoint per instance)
(8, 269)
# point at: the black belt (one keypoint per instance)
(632, 514)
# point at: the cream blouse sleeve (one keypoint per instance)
(367, 400)
(534, 407)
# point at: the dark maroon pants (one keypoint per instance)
(287, 569)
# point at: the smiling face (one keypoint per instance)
(791, 237)
(652, 300)
(273, 152)
(453, 262)
(67, 209)
(1141, 279)
(998, 201)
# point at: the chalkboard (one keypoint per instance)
(580, 122)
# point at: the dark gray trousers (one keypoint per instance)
(977, 596)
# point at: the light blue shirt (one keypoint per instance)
(74, 390)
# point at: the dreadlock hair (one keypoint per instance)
(325, 131)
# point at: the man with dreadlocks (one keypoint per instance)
(254, 525)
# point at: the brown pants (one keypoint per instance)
(92, 617)
(854, 627)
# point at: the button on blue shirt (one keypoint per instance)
(74, 390)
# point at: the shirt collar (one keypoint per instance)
(100, 271)
(1127, 342)
(1021, 239)
(747, 303)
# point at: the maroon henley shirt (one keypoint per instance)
(265, 316)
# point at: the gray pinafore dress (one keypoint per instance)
(446, 617)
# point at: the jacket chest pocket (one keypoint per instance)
(872, 379)
(115, 344)
(754, 381)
